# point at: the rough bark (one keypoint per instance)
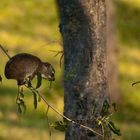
(83, 27)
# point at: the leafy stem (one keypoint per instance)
(60, 114)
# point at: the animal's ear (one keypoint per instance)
(47, 64)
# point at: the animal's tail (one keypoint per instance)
(5, 51)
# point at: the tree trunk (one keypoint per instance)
(112, 52)
(83, 27)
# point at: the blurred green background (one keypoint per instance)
(32, 27)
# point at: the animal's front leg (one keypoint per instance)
(29, 79)
(20, 94)
(28, 82)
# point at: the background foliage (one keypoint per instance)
(32, 27)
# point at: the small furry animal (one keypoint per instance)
(25, 66)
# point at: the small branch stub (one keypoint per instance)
(5, 51)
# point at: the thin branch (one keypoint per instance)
(61, 59)
(52, 42)
(135, 83)
(5, 51)
(63, 116)
(58, 53)
(50, 106)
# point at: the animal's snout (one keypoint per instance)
(51, 77)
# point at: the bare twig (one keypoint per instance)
(5, 51)
(63, 116)
(61, 59)
(57, 53)
(52, 42)
(135, 83)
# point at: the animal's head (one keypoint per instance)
(48, 72)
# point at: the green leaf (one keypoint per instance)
(113, 128)
(39, 80)
(35, 99)
(105, 108)
(60, 125)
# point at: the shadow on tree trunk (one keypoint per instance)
(83, 26)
